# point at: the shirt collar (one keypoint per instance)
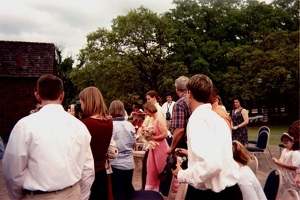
(204, 107)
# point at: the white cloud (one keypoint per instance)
(65, 23)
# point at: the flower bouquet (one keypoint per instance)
(143, 133)
(147, 131)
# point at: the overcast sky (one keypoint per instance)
(65, 23)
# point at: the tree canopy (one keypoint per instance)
(234, 42)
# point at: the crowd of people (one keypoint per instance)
(92, 158)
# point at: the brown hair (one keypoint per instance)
(201, 87)
(93, 103)
(49, 87)
(293, 131)
(150, 107)
(240, 153)
(220, 100)
(152, 94)
(213, 97)
(116, 109)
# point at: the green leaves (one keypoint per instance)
(234, 42)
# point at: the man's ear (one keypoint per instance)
(37, 96)
(189, 94)
(61, 96)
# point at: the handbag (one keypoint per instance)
(168, 114)
(112, 150)
(165, 177)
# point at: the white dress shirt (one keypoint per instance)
(48, 151)
(210, 159)
(250, 186)
(167, 105)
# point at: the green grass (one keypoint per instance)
(276, 131)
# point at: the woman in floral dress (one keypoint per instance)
(240, 119)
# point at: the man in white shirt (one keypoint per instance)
(168, 108)
(212, 172)
(168, 105)
(48, 154)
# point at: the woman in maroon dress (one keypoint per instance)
(100, 126)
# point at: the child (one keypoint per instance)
(249, 184)
(136, 116)
(288, 161)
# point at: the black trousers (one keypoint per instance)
(144, 169)
(122, 184)
(229, 193)
(99, 188)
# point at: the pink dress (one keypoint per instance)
(156, 161)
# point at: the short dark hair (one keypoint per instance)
(200, 87)
(50, 87)
(240, 99)
(168, 94)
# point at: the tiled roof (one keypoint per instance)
(26, 59)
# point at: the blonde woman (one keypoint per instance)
(100, 126)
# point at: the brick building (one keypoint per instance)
(21, 64)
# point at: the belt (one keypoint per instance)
(36, 192)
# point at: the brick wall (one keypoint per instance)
(16, 101)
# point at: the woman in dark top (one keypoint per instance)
(240, 119)
(100, 126)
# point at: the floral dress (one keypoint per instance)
(289, 157)
(240, 134)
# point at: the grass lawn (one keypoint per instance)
(276, 131)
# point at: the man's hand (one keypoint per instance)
(182, 151)
(178, 167)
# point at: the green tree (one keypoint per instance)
(131, 58)
(273, 61)
(235, 42)
(64, 68)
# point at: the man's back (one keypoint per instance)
(209, 136)
(47, 151)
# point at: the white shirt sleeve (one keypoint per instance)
(88, 175)
(205, 157)
(250, 186)
(15, 155)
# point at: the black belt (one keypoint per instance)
(36, 192)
